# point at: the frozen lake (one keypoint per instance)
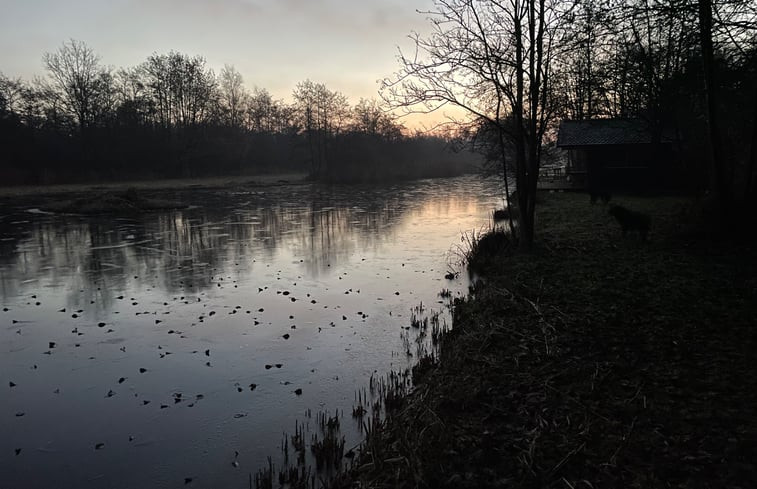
(129, 346)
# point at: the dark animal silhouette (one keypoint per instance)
(631, 221)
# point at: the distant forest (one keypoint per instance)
(172, 116)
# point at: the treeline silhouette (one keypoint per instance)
(172, 116)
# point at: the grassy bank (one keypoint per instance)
(597, 361)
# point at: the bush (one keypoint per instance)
(480, 250)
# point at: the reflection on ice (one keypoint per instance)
(301, 291)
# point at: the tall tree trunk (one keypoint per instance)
(526, 232)
(719, 170)
(501, 134)
(749, 188)
(533, 135)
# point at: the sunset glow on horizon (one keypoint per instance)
(348, 46)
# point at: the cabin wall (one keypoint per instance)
(576, 160)
(640, 168)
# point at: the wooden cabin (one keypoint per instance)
(608, 156)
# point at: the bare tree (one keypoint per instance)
(260, 111)
(11, 95)
(265, 114)
(233, 96)
(323, 114)
(491, 58)
(182, 88)
(134, 102)
(369, 117)
(75, 73)
(728, 25)
(672, 63)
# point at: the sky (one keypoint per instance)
(347, 44)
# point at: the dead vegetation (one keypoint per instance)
(596, 361)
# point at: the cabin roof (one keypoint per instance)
(599, 132)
